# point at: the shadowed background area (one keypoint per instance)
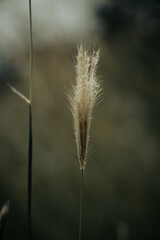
(122, 180)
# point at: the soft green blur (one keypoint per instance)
(121, 181)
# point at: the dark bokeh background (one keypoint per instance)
(122, 179)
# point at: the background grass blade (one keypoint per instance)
(3, 219)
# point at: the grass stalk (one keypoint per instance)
(83, 97)
(31, 49)
(81, 205)
(30, 142)
(29, 171)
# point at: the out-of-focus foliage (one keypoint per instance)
(122, 180)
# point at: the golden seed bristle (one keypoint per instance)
(83, 98)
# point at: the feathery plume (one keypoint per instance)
(83, 97)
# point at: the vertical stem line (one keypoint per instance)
(29, 171)
(81, 206)
(30, 126)
(31, 49)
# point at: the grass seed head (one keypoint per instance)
(83, 97)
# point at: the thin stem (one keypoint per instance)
(30, 126)
(31, 49)
(29, 171)
(81, 205)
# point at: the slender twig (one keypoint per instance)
(30, 126)
(81, 206)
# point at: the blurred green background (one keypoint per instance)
(122, 180)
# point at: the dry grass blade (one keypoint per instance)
(3, 219)
(18, 93)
